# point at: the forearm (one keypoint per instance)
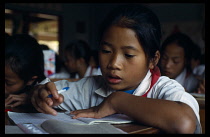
(167, 115)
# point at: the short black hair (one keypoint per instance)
(141, 20)
(183, 41)
(24, 56)
(79, 49)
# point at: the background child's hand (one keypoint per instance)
(102, 110)
(15, 100)
(40, 100)
(201, 87)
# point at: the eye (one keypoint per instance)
(105, 51)
(9, 84)
(176, 62)
(164, 58)
(129, 56)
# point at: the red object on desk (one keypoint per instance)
(8, 110)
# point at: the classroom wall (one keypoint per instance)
(81, 20)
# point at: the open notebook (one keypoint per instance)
(39, 123)
(38, 118)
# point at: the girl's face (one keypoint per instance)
(71, 63)
(13, 83)
(173, 61)
(122, 60)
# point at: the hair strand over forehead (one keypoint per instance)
(141, 20)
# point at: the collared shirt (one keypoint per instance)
(190, 83)
(91, 91)
(91, 71)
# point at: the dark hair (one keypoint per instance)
(25, 57)
(183, 41)
(141, 20)
(94, 54)
(79, 49)
(196, 52)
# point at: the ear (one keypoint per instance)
(32, 80)
(154, 61)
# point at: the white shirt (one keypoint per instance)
(199, 70)
(190, 83)
(63, 74)
(91, 71)
(91, 91)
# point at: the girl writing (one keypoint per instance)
(130, 81)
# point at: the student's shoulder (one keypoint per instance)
(165, 84)
(91, 80)
(170, 89)
(164, 80)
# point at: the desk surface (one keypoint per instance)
(201, 102)
(129, 128)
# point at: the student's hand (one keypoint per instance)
(15, 100)
(104, 109)
(201, 87)
(40, 100)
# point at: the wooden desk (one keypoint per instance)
(201, 102)
(71, 80)
(129, 128)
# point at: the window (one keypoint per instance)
(43, 27)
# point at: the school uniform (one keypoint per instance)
(91, 71)
(187, 80)
(91, 91)
(199, 70)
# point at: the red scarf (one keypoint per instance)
(155, 76)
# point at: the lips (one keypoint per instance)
(167, 73)
(113, 79)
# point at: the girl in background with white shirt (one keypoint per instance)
(77, 57)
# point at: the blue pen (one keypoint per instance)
(59, 91)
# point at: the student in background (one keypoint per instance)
(197, 62)
(60, 68)
(201, 86)
(24, 67)
(176, 58)
(94, 61)
(77, 56)
(130, 83)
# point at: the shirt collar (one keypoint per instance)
(144, 85)
(181, 77)
(140, 90)
(104, 92)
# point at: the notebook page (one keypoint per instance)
(61, 127)
(112, 119)
(38, 118)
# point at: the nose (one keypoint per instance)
(115, 62)
(169, 63)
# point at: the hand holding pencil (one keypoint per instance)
(42, 99)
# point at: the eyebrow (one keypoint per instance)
(124, 47)
(129, 47)
(106, 43)
(174, 57)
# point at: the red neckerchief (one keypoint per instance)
(155, 76)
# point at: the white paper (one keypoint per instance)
(38, 118)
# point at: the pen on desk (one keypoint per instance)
(59, 91)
